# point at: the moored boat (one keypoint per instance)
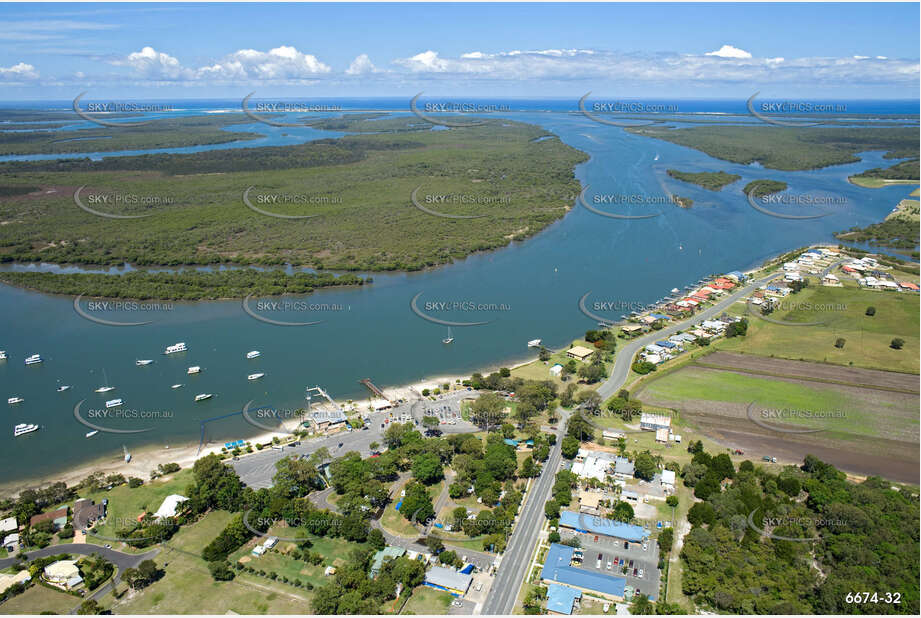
(15, 400)
(34, 359)
(24, 428)
(193, 369)
(254, 376)
(253, 354)
(142, 363)
(203, 396)
(176, 347)
(111, 403)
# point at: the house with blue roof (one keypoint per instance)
(561, 599)
(660, 316)
(558, 569)
(668, 345)
(599, 525)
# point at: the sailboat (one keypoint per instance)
(127, 454)
(449, 338)
(105, 388)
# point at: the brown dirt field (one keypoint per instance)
(817, 371)
(728, 424)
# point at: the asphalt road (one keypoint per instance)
(517, 557)
(257, 469)
(623, 359)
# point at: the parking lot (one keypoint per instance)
(610, 549)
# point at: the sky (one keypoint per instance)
(666, 50)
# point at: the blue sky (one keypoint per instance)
(53, 51)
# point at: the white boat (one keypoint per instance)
(141, 363)
(23, 428)
(176, 347)
(34, 359)
(90, 434)
(534, 343)
(63, 387)
(111, 403)
(195, 369)
(105, 388)
(127, 454)
(14, 400)
(253, 354)
(203, 396)
(254, 376)
(657, 157)
(176, 386)
(2, 354)
(449, 338)
(675, 291)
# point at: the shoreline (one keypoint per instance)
(146, 459)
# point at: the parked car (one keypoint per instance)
(609, 565)
(641, 572)
(596, 538)
(634, 572)
(479, 586)
(645, 545)
(631, 564)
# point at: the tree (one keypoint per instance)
(447, 557)
(428, 468)
(871, 311)
(666, 538)
(376, 539)
(569, 447)
(672, 501)
(897, 343)
(374, 446)
(458, 517)
(645, 466)
(528, 468)
(417, 504)
(552, 509)
(486, 411)
(89, 608)
(701, 513)
(839, 342)
(430, 422)
(543, 354)
(642, 606)
(220, 570)
(622, 511)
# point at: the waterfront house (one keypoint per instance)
(61, 572)
(579, 353)
(86, 513)
(170, 506)
(556, 370)
(8, 525)
(58, 518)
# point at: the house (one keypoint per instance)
(599, 525)
(701, 333)
(270, 542)
(668, 345)
(662, 436)
(668, 480)
(556, 370)
(11, 542)
(86, 513)
(61, 572)
(610, 434)
(258, 550)
(8, 525)
(388, 553)
(633, 329)
(682, 338)
(378, 405)
(713, 326)
(623, 468)
(589, 501)
(579, 353)
(735, 276)
(652, 422)
(561, 599)
(831, 279)
(630, 496)
(327, 420)
(659, 316)
(7, 580)
(655, 359)
(911, 287)
(449, 580)
(170, 506)
(558, 569)
(592, 464)
(58, 517)
(654, 348)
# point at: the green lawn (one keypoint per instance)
(427, 600)
(866, 338)
(126, 504)
(847, 413)
(195, 537)
(37, 599)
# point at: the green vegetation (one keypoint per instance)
(713, 181)
(842, 313)
(185, 285)
(38, 599)
(428, 601)
(864, 538)
(899, 230)
(788, 148)
(161, 133)
(762, 188)
(905, 170)
(358, 186)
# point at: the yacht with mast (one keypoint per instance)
(105, 388)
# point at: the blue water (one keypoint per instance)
(374, 333)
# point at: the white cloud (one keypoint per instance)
(20, 71)
(361, 65)
(728, 51)
(283, 63)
